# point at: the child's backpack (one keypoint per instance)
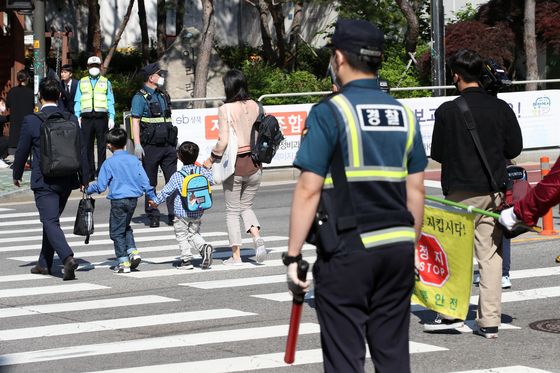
(268, 136)
(196, 193)
(60, 145)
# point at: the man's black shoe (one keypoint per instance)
(38, 270)
(170, 219)
(70, 265)
(154, 222)
(490, 332)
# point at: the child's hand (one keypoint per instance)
(152, 204)
(207, 163)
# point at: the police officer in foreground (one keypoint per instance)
(154, 136)
(371, 149)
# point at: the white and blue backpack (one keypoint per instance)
(196, 193)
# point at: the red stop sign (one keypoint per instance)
(433, 267)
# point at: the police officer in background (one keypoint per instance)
(371, 149)
(94, 105)
(155, 137)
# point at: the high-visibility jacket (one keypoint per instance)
(94, 98)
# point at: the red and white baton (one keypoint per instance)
(297, 305)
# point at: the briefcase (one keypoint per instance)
(83, 226)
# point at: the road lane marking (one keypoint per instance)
(53, 289)
(238, 282)
(512, 369)
(154, 343)
(84, 305)
(253, 362)
(120, 323)
(26, 277)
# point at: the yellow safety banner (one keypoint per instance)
(445, 267)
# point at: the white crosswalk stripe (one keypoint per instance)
(52, 289)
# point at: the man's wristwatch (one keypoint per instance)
(287, 259)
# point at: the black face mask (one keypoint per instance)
(334, 81)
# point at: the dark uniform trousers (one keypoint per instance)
(95, 127)
(166, 158)
(50, 203)
(365, 294)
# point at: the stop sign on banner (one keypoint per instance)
(433, 268)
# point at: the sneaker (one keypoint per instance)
(441, 323)
(4, 164)
(232, 262)
(476, 280)
(206, 253)
(134, 258)
(123, 267)
(506, 283)
(490, 332)
(260, 251)
(185, 264)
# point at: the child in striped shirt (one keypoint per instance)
(187, 223)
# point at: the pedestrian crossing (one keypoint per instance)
(203, 318)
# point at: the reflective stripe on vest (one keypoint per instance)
(155, 120)
(94, 98)
(357, 171)
(388, 236)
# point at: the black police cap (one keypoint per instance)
(153, 68)
(359, 37)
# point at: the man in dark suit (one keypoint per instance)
(68, 87)
(51, 193)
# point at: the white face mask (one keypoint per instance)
(160, 81)
(94, 71)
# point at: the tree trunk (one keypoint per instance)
(93, 43)
(278, 22)
(295, 28)
(411, 36)
(262, 8)
(530, 42)
(179, 16)
(117, 38)
(144, 32)
(204, 52)
(161, 31)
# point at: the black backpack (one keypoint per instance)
(266, 136)
(60, 144)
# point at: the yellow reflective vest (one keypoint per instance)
(93, 98)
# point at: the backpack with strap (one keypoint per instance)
(60, 144)
(266, 136)
(196, 193)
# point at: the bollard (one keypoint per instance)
(547, 221)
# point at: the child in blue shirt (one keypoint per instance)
(187, 223)
(124, 175)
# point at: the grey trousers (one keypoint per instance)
(187, 232)
(239, 194)
(488, 253)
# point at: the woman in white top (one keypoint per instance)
(241, 187)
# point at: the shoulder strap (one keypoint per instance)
(41, 115)
(471, 126)
(182, 172)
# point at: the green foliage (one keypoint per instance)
(266, 79)
(394, 71)
(124, 88)
(467, 13)
(234, 56)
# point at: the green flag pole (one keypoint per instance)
(475, 210)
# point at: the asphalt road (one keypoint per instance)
(223, 319)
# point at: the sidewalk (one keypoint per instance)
(7, 187)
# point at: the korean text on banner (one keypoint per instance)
(445, 267)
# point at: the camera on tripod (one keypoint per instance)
(494, 78)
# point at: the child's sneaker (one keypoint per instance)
(123, 267)
(206, 253)
(232, 262)
(185, 264)
(134, 258)
(260, 250)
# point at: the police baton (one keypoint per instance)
(297, 305)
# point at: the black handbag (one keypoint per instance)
(83, 226)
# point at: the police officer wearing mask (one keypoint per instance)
(154, 136)
(94, 105)
(366, 186)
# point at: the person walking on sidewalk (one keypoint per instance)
(94, 104)
(20, 102)
(187, 223)
(126, 179)
(51, 193)
(240, 188)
